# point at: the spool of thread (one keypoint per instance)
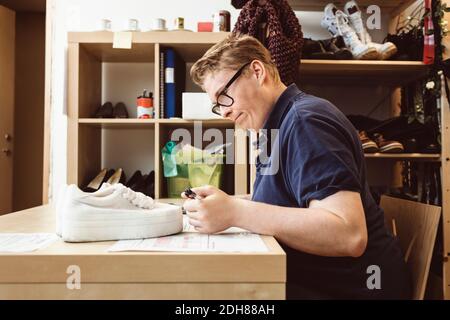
(159, 24)
(133, 25)
(105, 25)
(179, 23)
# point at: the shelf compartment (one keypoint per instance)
(165, 131)
(112, 148)
(104, 52)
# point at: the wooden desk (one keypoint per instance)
(133, 275)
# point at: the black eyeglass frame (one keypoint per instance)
(216, 107)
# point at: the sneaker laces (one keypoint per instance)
(138, 199)
(344, 30)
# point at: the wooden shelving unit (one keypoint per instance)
(87, 52)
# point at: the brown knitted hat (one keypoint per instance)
(284, 36)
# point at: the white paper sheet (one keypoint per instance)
(25, 242)
(187, 227)
(195, 242)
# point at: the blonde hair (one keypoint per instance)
(231, 54)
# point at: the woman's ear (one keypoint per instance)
(259, 71)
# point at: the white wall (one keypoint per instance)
(84, 15)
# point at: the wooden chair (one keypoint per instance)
(416, 226)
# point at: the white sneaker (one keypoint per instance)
(116, 212)
(62, 197)
(336, 22)
(385, 50)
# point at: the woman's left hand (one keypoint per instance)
(213, 213)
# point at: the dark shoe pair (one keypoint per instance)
(108, 111)
(105, 176)
(329, 49)
(143, 183)
(379, 144)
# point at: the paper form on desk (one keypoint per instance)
(193, 241)
(187, 227)
(25, 242)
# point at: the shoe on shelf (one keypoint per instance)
(116, 212)
(105, 111)
(313, 49)
(368, 145)
(387, 146)
(385, 50)
(338, 48)
(99, 179)
(431, 148)
(147, 184)
(120, 111)
(337, 23)
(410, 145)
(117, 177)
(134, 180)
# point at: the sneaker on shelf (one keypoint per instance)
(385, 50)
(116, 212)
(368, 145)
(387, 146)
(337, 23)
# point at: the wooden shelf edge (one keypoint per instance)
(150, 37)
(404, 156)
(134, 121)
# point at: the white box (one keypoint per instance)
(197, 106)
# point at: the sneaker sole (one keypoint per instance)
(370, 147)
(370, 54)
(392, 148)
(163, 221)
(388, 53)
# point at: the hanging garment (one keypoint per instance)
(275, 25)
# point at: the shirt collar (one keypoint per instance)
(281, 107)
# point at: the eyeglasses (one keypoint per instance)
(223, 99)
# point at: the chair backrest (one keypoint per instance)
(416, 226)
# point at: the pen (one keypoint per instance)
(191, 194)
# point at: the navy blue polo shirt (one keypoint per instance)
(309, 151)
